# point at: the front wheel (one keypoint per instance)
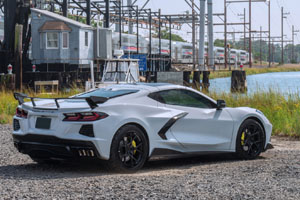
(129, 149)
(250, 140)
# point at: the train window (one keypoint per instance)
(52, 40)
(86, 37)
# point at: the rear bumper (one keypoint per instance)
(51, 147)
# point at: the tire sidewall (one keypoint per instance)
(115, 161)
(239, 151)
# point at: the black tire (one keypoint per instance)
(129, 149)
(250, 140)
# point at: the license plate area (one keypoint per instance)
(43, 123)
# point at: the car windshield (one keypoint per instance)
(108, 93)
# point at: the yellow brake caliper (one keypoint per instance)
(134, 145)
(243, 139)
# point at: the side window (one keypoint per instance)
(181, 97)
(65, 40)
(52, 40)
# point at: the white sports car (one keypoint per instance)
(127, 124)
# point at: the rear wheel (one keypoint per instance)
(250, 140)
(129, 149)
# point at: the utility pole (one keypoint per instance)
(269, 32)
(273, 51)
(225, 32)
(201, 36)
(159, 39)
(137, 30)
(65, 8)
(244, 28)
(107, 17)
(283, 15)
(119, 26)
(250, 40)
(293, 39)
(194, 34)
(130, 24)
(260, 45)
(282, 59)
(150, 39)
(211, 59)
(88, 12)
(244, 18)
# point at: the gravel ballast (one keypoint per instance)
(275, 175)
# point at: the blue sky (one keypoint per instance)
(259, 14)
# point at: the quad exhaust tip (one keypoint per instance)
(86, 153)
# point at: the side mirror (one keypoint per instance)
(221, 104)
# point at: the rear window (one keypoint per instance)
(107, 93)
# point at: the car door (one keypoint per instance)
(204, 128)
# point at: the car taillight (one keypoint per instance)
(84, 117)
(21, 113)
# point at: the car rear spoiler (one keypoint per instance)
(91, 101)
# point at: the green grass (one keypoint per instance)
(252, 71)
(8, 103)
(283, 112)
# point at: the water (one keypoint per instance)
(283, 82)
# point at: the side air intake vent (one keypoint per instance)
(16, 125)
(87, 130)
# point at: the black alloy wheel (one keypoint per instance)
(129, 150)
(250, 140)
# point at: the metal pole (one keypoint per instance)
(270, 33)
(137, 31)
(250, 39)
(193, 34)
(170, 42)
(282, 54)
(150, 38)
(273, 51)
(107, 17)
(88, 12)
(120, 23)
(260, 45)
(64, 8)
(293, 41)
(130, 26)
(201, 36)
(225, 32)
(159, 38)
(244, 28)
(211, 58)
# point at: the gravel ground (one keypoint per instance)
(275, 175)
